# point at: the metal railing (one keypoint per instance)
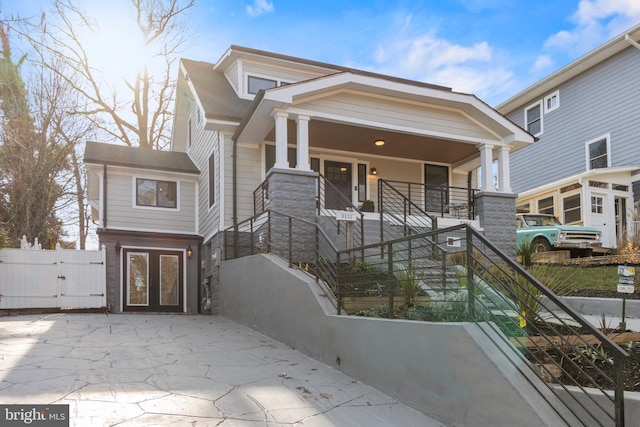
(539, 334)
(436, 200)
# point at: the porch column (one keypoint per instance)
(303, 143)
(281, 140)
(486, 162)
(504, 182)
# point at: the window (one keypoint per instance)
(257, 83)
(533, 119)
(620, 187)
(362, 182)
(212, 179)
(545, 206)
(596, 204)
(551, 102)
(150, 192)
(523, 208)
(571, 209)
(598, 153)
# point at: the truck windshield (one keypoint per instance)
(541, 220)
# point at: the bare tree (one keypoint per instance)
(141, 116)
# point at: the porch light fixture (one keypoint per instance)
(373, 171)
(379, 142)
(118, 247)
(189, 252)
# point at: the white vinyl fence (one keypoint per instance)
(60, 278)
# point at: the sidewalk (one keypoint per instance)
(179, 370)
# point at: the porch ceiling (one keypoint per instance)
(344, 137)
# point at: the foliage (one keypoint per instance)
(142, 117)
(408, 277)
(527, 297)
(368, 206)
(525, 252)
(31, 157)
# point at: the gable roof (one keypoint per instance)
(136, 157)
(623, 41)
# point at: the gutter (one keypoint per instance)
(632, 41)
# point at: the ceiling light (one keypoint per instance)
(379, 142)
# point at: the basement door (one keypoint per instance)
(152, 280)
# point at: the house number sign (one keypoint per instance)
(347, 216)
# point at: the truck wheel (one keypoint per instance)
(540, 244)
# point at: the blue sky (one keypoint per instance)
(491, 48)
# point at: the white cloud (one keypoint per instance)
(259, 7)
(596, 20)
(542, 62)
(427, 58)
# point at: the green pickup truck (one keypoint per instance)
(546, 233)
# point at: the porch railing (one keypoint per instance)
(436, 200)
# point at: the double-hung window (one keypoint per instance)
(533, 118)
(571, 209)
(598, 153)
(155, 193)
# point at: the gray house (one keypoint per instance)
(585, 164)
(258, 131)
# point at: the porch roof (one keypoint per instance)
(420, 121)
(602, 173)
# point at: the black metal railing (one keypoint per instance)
(261, 198)
(436, 200)
(465, 278)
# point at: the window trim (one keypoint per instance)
(548, 109)
(607, 139)
(211, 170)
(540, 105)
(247, 74)
(155, 208)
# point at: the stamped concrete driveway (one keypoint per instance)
(179, 370)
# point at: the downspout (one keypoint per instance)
(234, 167)
(104, 195)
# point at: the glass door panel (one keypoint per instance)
(169, 279)
(138, 274)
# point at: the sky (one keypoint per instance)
(490, 48)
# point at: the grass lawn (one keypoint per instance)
(603, 278)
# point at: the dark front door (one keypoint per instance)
(338, 195)
(152, 280)
(436, 179)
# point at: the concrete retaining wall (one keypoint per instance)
(449, 371)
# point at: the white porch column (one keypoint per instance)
(281, 140)
(486, 162)
(504, 182)
(302, 147)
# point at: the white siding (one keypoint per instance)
(123, 214)
(367, 109)
(249, 175)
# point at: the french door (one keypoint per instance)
(152, 280)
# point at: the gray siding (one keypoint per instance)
(121, 213)
(603, 100)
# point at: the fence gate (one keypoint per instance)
(60, 278)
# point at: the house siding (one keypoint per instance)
(600, 101)
(287, 75)
(249, 172)
(366, 109)
(123, 214)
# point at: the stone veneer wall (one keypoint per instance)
(497, 212)
(292, 192)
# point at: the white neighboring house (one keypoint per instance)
(585, 164)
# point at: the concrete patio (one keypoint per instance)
(179, 370)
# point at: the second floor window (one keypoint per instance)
(598, 152)
(257, 83)
(533, 119)
(151, 192)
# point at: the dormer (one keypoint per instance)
(249, 70)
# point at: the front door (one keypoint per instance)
(603, 219)
(436, 180)
(152, 280)
(338, 195)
